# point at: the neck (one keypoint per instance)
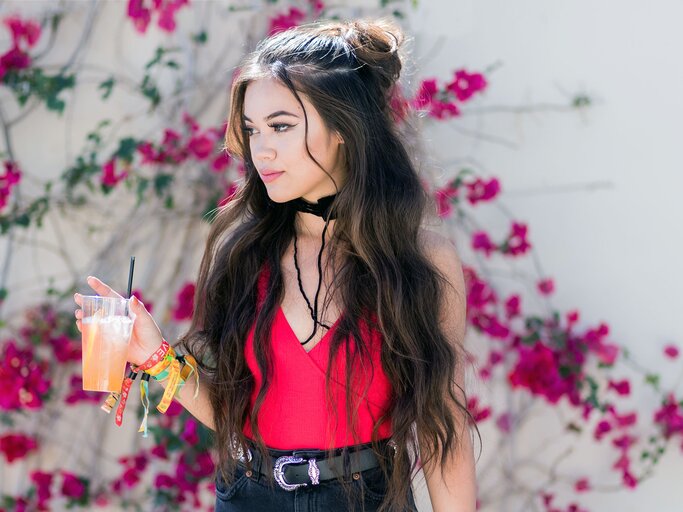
(310, 226)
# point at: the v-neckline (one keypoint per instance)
(296, 339)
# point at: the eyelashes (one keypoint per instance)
(277, 127)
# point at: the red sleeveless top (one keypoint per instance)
(294, 413)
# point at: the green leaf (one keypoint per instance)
(162, 182)
(126, 149)
(201, 38)
(3, 293)
(653, 380)
(107, 86)
(142, 187)
(168, 203)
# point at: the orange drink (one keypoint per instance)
(106, 328)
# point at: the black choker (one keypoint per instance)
(321, 208)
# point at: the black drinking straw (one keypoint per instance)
(130, 279)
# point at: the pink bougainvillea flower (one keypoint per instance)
(607, 353)
(284, 21)
(167, 13)
(517, 243)
(425, 93)
(546, 286)
(513, 306)
(201, 146)
(109, 177)
(465, 85)
(671, 351)
(625, 420)
(73, 486)
(443, 109)
(482, 242)
(164, 481)
(481, 190)
(184, 307)
(538, 371)
(76, 393)
(43, 483)
(504, 422)
(444, 200)
(572, 318)
(602, 428)
(8, 180)
(582, 485)
(317, 6)
(629, 480)
(220, 162)
(490, 325)
(189, 434)
(229, 194)
(23, 382)
(622, 387)
(670, 416)
(66, 349)
(23, 31)
(16, 446)
(139, 14)
(478, 413)
(15, 58)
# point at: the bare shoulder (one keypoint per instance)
(442, 253)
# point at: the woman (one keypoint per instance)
(328, 324)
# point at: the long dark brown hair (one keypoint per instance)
(348, 71)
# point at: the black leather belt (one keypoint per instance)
(299, 468)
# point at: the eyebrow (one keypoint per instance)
(274, 114)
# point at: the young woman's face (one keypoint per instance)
(275, 126)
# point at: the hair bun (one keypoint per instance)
(376, 44)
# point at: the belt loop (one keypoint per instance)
(346, 464)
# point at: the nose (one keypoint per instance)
(262, 150)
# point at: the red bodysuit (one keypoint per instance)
(294, 414)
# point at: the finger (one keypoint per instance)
(101, 288)
(78, 326)
(78, 299)
(79, 313)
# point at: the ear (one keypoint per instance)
(340, 140)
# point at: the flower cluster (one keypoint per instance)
(202, 145)
(15, 446)
(23, 381)
(184, 306)
(141, 11)
(25, 34)
(8, 180)
(478, 190)
(443, 102)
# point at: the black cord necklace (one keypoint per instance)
(321, 209)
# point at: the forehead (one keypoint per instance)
(265, 96)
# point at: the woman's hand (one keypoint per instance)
(146, 337)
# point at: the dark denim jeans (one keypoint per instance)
(253, 494)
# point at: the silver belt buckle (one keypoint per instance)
(279, 472)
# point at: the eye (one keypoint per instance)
(277, 127)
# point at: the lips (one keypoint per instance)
(269, 175)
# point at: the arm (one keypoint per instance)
(456, 489)
(199, 407)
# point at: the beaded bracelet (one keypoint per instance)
(162, 364)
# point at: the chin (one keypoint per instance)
(281, 196)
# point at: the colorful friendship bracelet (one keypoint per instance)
(162, 364)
